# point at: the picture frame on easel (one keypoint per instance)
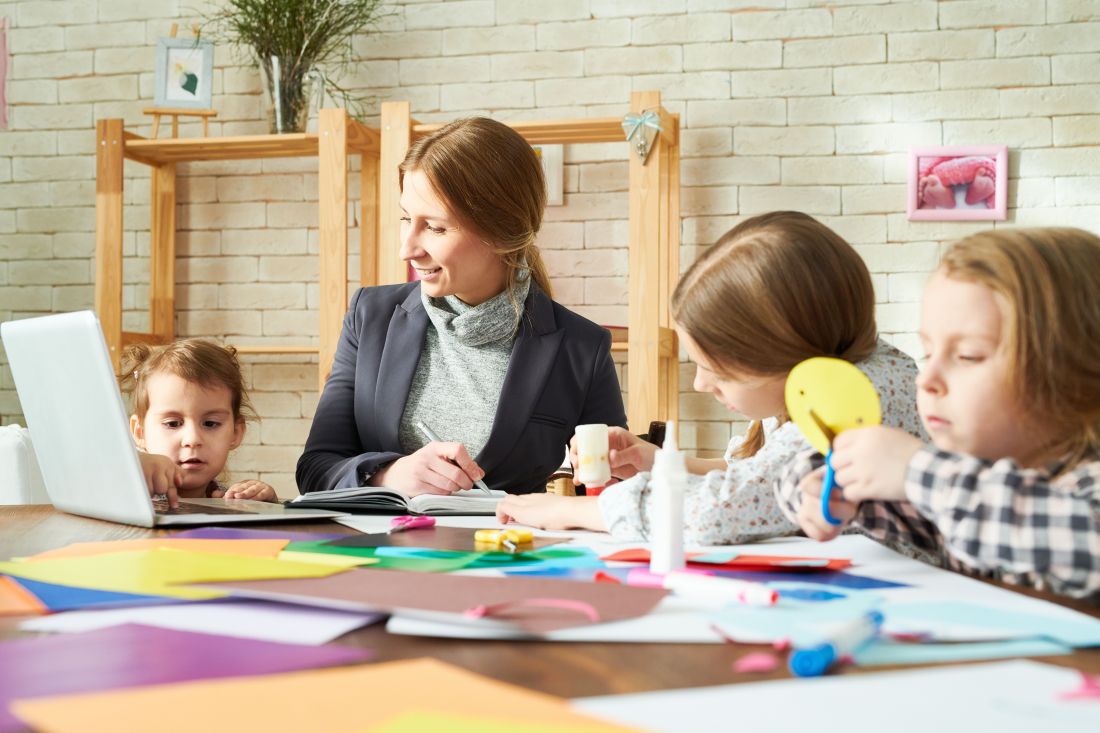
(184, 73)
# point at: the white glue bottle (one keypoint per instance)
(666, 516)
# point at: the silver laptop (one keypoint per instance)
(80, 430)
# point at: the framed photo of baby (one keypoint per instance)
(960, 183)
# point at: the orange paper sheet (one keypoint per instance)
(351, 700)
(252, 548)
(15, 600)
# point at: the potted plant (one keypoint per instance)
(297, 44)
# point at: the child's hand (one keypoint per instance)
(628, 453)
(810, 517)
(870, 462)
(252, 489)
(550, 511)
(162, 476)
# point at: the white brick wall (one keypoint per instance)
(784, 103)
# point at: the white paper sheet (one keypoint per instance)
(674, 621)
(247, 619)
(1007, 697)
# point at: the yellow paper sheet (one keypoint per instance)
(15, 600)
(421, 722)
(347, 700)
(340, 561)
(253, 548)
(161, 572)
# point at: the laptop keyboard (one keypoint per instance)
(161, 507)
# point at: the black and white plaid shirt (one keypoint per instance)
(991, 519)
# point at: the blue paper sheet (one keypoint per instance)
(838, 578)
(67, 598)
(889, 652)
(1080, 631)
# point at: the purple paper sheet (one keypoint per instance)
(133, 656)
(240, 533)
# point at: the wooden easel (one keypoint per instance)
(176, 112)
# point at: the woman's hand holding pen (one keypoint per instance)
(628, 454)
(437, 468)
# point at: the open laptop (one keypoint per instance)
(81, 436)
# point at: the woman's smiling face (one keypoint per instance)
(448, 258)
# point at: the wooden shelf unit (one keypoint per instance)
(652, 352)
(338, 136)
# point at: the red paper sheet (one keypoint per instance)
(768, 563)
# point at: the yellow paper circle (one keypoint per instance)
(837, 391)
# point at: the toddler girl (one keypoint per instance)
(190, 409)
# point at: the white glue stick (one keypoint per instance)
(593, 466)
(666, 516)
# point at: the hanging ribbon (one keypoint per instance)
(641, 130)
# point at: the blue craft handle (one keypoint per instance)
(827, 489)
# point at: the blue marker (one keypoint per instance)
(844, 641)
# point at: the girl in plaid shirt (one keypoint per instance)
(775, 290)
(1010, 394)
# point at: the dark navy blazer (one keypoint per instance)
(560, 375)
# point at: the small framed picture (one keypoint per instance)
(960, 183)
(184, 71)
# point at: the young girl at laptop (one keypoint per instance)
(190, 409)
(1010, 393)
(775, 290)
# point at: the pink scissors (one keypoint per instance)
(400, 524)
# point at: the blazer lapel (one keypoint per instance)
(404, 342)
(533, 355)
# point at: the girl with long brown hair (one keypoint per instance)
(775, 290)
(475, 349)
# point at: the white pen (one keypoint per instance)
(430, 435)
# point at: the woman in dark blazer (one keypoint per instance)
(476, 349)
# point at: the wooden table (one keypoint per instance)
(564, 669)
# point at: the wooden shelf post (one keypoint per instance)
(108, 233)
(396, 126)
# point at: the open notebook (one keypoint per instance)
(380, 500)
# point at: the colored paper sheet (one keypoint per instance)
(247, 533)
(133, 655)
(244, 619)
(1018, 696)
(774, 563)
(535, 605)
(838, 578)
(340, 561)
(395, 558)
(422, 721)
(322, 700)
(439, 537)
(70, 598)
(549, 558)
(959, 620)
(15, 600)
(252, 548)
(889, 652)
(160, 572)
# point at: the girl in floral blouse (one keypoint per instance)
(775, 290)
(1010, 393)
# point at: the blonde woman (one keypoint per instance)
(1010, 393)
(775, 290)
(475, 348)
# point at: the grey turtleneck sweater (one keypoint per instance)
(457, 382)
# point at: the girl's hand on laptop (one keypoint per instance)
(162, 476)
(251, 489)
(550, 511)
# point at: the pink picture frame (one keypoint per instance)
(960, 183)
